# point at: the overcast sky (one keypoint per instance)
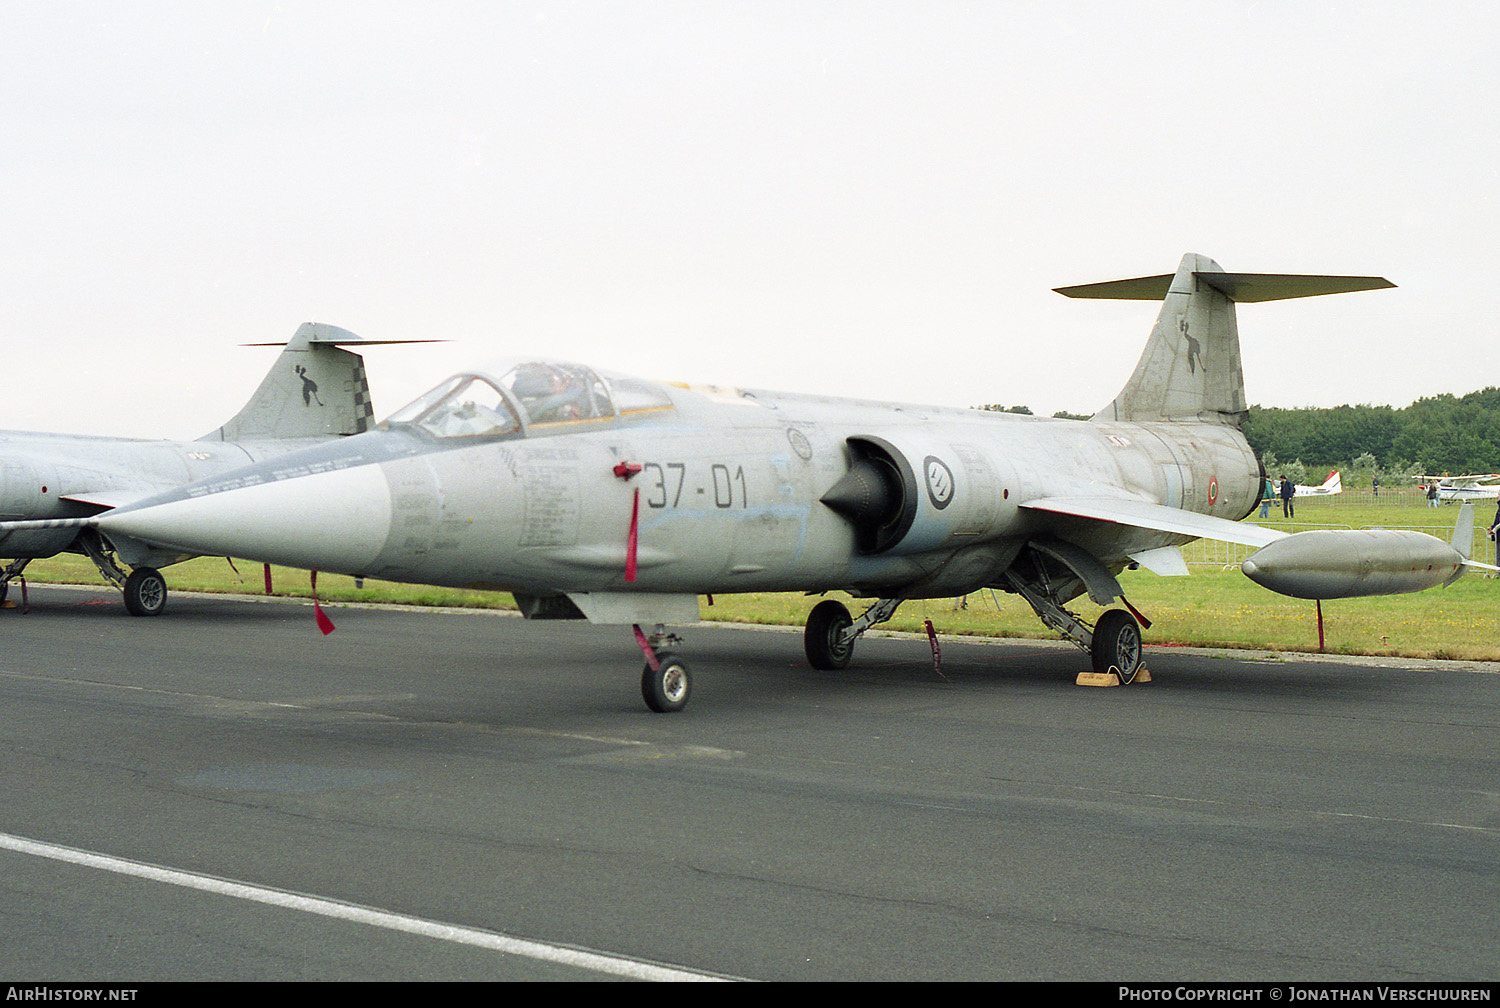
(862, 198)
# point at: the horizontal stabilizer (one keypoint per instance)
(1142, 514)
(1241, 287)
(321, 333)
(1190, 367)
(356, 341)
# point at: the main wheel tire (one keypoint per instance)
(825, 625)
(666, 688)
(145, 592)
(1117, 644)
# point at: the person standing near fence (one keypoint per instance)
(1288, 491)
(1432, 495)
(1495, 535)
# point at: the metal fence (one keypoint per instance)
(1408, 496)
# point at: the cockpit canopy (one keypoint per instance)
(528, 399)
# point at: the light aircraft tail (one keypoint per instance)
(1332, 485)
(314, 389)
(1190, 369)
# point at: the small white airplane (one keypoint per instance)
(1476, 486)
(1331, 485)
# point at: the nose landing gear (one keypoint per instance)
(666, 682)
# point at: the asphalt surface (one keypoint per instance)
(222, 793)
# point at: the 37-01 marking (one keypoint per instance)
(665, 483)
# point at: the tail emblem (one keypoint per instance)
(309, 387)
(1195, 352)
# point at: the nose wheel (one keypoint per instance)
(666, 682)
(666, 687)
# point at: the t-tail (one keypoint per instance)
(1190, 369)
(314, 389)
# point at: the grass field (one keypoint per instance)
(1216, 607)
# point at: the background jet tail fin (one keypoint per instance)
(1190, 369)
(314, 389)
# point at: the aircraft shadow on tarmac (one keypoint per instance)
(748, 664)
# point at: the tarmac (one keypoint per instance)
(223, 793)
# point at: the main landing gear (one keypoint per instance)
(830, 633)
(144, 588)
(1113, 644)
(11, 572)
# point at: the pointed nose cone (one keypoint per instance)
(334, 521)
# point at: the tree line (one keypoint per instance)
(1435, 435)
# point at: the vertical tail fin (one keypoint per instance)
(314, 389)
(1190, 369)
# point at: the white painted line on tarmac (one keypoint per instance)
(599, 962)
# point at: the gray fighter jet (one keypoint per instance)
(315, 392)
(599, 496)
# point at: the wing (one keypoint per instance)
(1142, 514)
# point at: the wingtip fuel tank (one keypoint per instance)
(1347, 563)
